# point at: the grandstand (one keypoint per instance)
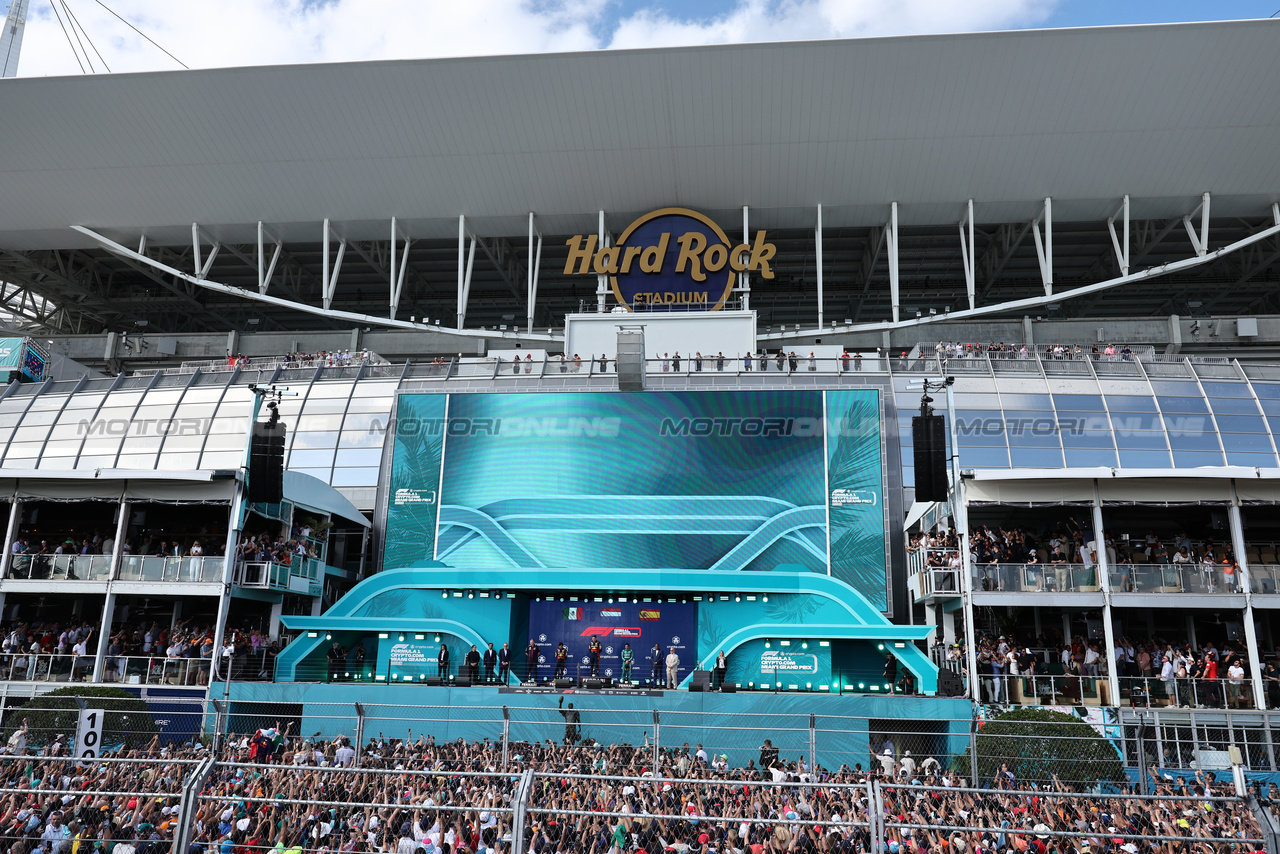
(645, 383)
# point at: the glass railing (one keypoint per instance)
(1152, 692)
(1264, 577)
(938, 581)
(756, 364)
(206, 570)
(61, 567)
(1035, 578)
(1043, 690)
(277, 576)
(1173, 578)
(137, 670)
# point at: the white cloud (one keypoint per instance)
(213, 33)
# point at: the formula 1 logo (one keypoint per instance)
(605, 631)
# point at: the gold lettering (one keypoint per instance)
(691, 245)
(577, 253)
(607, 260)
(761, 254)
(716, 256)
(652, 257)
(630, 255)
(738, 257)
(699, 297)
(669, 298)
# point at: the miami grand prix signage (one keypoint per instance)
(671, 258)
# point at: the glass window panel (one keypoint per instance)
(315, 440)
(338, 389)
(96, 462)
(307, 459)
(1175, 388)
(1086, 439)
(1141, 439)
(1087, 402)
(384, 405)
(1144, 459)
(6, 434)
(10, 419)
(1130, 403)
(1267, 390)
(1239, 405)
(220, 460)
(163, 397)
(1195, 459)
(64, 430)
(136, 461)
(21, 456)
(321, 407)
(362, 421)
(1084, 457)
(46, 402)
(185, 442)
(355, 477)
(964, 400)
(61, 449)
(319, 422)
(319, 474)
(1188, 425)
(1183, 404)
(1036, 457)
(1125, 421)
(101, 445)
(1239, 458)
(1241, 424)
(1034, 439)
(139, 444)
(1271, 407)
(202, 394)
(30, 434)
(359, 457)
(224, 442)
(1226, 389)
(1274, 424)
(179, 461)
(197, 410)
(1035, 402)
(370, 438)
(368, 388)
(984, 458)
(85, 401)
(32, 419)
(1255, 442)
(1192, 441)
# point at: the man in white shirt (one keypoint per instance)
(1091, 660)
(344, 755)
(673, 667)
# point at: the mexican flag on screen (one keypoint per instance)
(573, 613)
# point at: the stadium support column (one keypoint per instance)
(10, 532)
(817, 240)
(602, 280)
(395, 278)
(1104, 581)
(968, 252)
(1239, 546)
(532, 269)
(960, 515)
(109, 601)
(466, 262)
(745, 287)
(1044, 246)
(891, 238)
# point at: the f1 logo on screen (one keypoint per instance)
(672, 257)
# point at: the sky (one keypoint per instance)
(221, 33)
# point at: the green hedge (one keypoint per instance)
(128, 721)
(1038, 744)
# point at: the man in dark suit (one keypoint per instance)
(490, 662)
(531, 655)
(504, 664)
(443, 661)
(473, 664)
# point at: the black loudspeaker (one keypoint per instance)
(700, 681)
(729, 688)
(266, 463)
(462, 680)
(950, 683)
(595, 683)
(608, 681)
(929, 442)
(564, 682)
(434, 680)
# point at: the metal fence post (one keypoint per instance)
(813, 743)
(189, 802)
(1143, 785)
(218, 715)
(1267, 825)
(657, 723)
(520, 810)
(506, 735)
(875, 817)
(973, 752)
(359, 734)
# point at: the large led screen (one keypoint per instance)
(728, 480)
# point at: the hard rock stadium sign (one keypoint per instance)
(670, 258)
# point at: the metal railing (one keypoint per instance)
(1152, 691)
(1035, 578)
(303, 575)
(205, 570)
(134, 669)
(1043, 689)
(61, 567)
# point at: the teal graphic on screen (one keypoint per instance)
(693, 480)
(855, 492)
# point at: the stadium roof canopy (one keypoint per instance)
(1161, 114)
